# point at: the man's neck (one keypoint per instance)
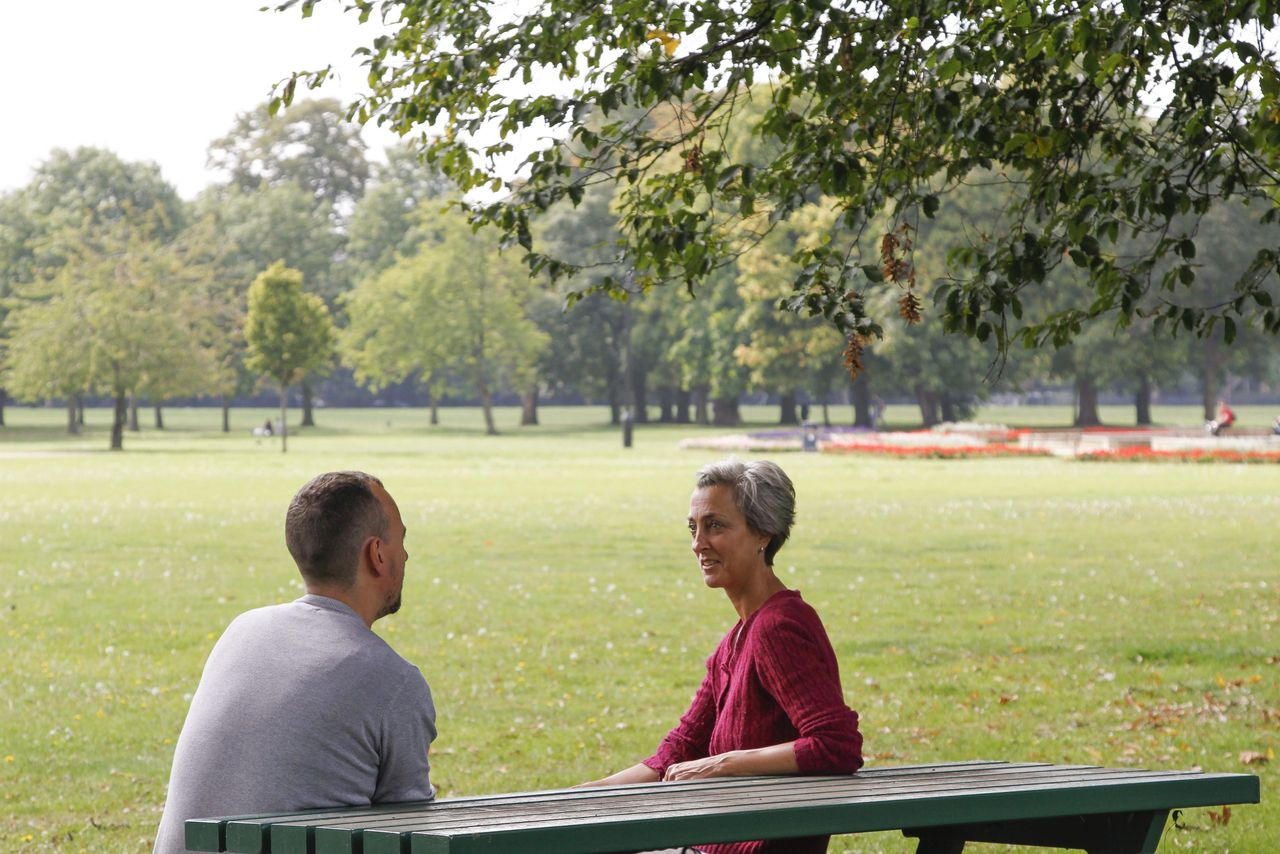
(347, 596)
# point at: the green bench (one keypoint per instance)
(1101, 810)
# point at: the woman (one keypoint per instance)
(771, 701)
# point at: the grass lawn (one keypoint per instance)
(1022, 609)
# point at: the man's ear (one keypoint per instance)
(373, 555)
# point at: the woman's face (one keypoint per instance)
(729, 552)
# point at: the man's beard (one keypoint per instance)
(390, 609)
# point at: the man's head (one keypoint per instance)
(329, 522)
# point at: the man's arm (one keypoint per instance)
(408, 728)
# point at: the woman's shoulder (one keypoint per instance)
(786, 607)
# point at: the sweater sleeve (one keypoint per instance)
(797, 666)
(408, 728)
(691, 739)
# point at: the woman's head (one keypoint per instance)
(763, 494)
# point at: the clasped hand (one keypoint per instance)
(720, 765)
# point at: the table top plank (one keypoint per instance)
(658, 815)
(663, 799)
(619, 833)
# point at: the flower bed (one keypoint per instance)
(742, 443)
(937, 452)
(1140, 454)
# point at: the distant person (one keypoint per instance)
(1275, 426)
(1224, 419)
(877, 412)
(301, 705)
(267, 429)
(771, 701)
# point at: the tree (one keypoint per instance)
(73, 197)
(1116, 118)
(289, 333)
(456, 308)
(311, 149)
(309, 146)
(382, 225)
(119, 313)
(245, 231)
(784, 353)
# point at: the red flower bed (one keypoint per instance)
(937, 452)
(1142, 454)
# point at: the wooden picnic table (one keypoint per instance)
(1101, 810)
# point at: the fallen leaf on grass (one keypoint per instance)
(1255, 757)
(1216, 818)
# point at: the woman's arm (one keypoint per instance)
(797, 666)
(774, 759)
(635, 774)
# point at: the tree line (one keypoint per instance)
(308, 258)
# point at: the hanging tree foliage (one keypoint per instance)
(1120, 122)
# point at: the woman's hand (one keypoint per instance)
(721, 765)
(776, 759)
(635, 774)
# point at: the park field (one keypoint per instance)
(1029, 609)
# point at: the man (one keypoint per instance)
(301, 705)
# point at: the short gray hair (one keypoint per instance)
(329, 520)
(762, 493)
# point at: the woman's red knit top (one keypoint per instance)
(773, 679)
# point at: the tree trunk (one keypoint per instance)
(928, 402)
(1087, 403)
(863, 415)
(80, 410)
(700, 414)
(666, 405)
(308, 396)
(826, 409)
(725, 412)
(3, 395)
(639, 396)
(1142, 402)
(133, 412)
(226, 414)
(1210, 369)
(682, 405)
(119, 417)
(73, 426)
(159, 418)
(787, 408)
(486, 404)
(948, 408)
(284, 418)
(529, 408)
(434, 403)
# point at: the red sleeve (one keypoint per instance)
(797, 666)
(691, 738)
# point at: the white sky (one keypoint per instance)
(156, 80)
